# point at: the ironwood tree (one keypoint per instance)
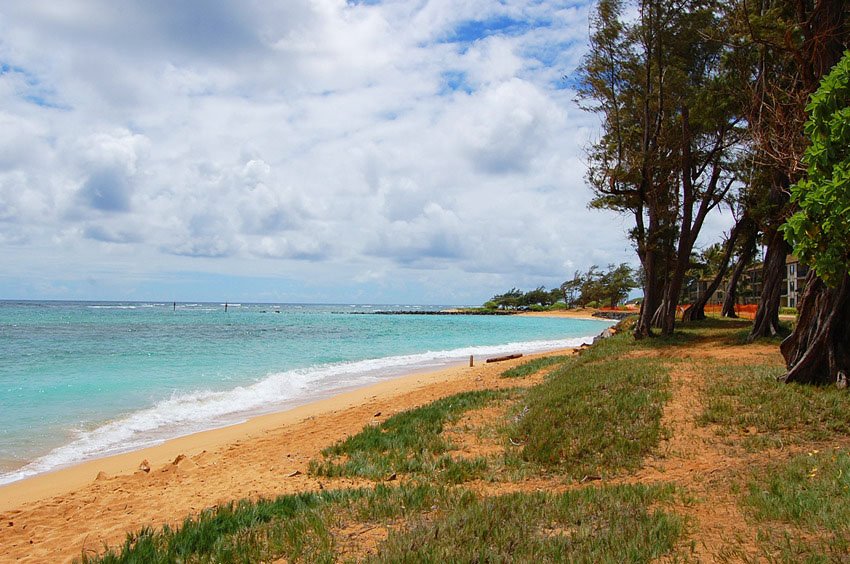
(818, 350)
(791, 44)
(669, 133)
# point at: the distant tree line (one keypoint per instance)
(593, 288)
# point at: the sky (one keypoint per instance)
(399, 151)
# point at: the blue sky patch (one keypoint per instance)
(454, 81)
(35, 92)
(473, 30)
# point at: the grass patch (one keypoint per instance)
(597, 414)
(428, 524)
(741, 397)
(534, 366)
(611, 524)
(408, 442)
(811, 494)
(299, 527)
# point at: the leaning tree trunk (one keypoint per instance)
(749, 249)
(696, 311)
(818, 350)
(766, 323)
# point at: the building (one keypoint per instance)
(793, 282)
(749, 286)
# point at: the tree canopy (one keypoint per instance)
(670, 133)
(820, 230)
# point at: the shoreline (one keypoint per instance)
(76, 453)
(67, 478)
(76, 474)
(55, 516)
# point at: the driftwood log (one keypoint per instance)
(502, 358)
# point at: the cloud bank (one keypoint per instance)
(420, 151)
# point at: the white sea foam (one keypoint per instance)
(189, 413)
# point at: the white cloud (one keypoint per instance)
(424, 145)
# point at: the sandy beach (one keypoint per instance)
(58, 516)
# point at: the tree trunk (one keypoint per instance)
(766, 323)
(652, 291)
(818, 350)
(731, 297)
(696, 311)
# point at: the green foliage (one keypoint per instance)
(610, 287)
(598, 414)
(810, 493)
(517, 299)
(819, 231)
(298, 526)
(213, 534)
(595, 287)
(408, 442)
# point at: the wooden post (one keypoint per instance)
(471, 361)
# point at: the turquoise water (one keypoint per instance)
(80, 380)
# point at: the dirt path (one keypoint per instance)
(694, 458)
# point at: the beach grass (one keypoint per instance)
(409, 442)
(749, 399)
(421, 523)
(534, 366)
(299, 526)
(606, 524)
(802, 507)
(597, 414)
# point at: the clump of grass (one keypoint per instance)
(429, 523)
(408, 442)
(222, 533)
(610, 524)
(740, 397)
(297, 526)
(534, 366)
(597, 414)
(811, 493)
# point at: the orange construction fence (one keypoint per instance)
(747, 311)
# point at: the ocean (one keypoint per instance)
(82, 380)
